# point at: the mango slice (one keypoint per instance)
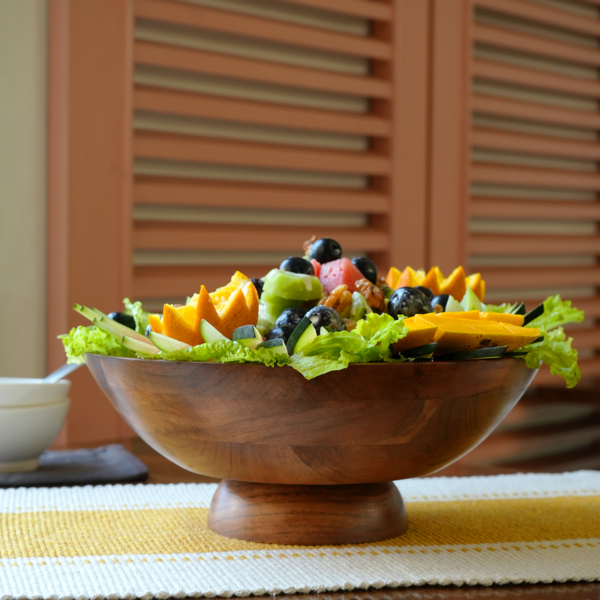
(155, 323)
(477, 285)
(516, 320)
(469, 334)
(176, 326)
(432, 280)
(392, 277)
(419, 334)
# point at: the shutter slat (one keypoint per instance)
(534, 78)
(191, 149)
(535, 12)
(526, 43)
(534, 209)
(535, 177)
(484, 138)
(186, 193)
(534, 112)
(185, 103)
(378, 11)
(209, 18)
(542, 277)
(217, 64)
(497, 244)
(183, 236)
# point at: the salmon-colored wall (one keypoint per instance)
(89, 199)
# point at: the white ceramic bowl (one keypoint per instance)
(32, 413)
(31, 392)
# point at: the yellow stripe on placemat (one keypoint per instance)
(184, 530)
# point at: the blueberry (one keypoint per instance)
(366, 267)
(291, 316)
(325, 250)
(408, 302)
(324, 316)
(122, 318)
(297, 264)
(258, 284)
(283, 332)
(425, 290)
(148, 331)
(442, 300)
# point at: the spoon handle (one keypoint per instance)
(62, 372)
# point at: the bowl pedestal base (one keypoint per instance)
(311, 515)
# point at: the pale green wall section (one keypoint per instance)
(23, 76)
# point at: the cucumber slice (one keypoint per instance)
(248, 335)
(86, 312)
(123, 330)
(515, 354)
(210, 333)
(276, 346)
(420, 351)
(453, 306)
(519, 309)
(165, 343)
(477, 354)
(107, 328)
(533, 314)
(137, 346)
(309, 334)
(297, 333)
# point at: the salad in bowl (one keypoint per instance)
(322, 311)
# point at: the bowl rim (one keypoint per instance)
(370, 364)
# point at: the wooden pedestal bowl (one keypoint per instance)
(311, 462)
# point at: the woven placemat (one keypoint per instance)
(107, 464)
(144, 541)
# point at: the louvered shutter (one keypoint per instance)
(533, 210)
(253, 130)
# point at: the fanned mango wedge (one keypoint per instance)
(420, 333)
(227, 308)
(455, 284)
(470, 334)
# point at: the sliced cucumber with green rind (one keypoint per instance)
(297, 333)
(420, 351)
(276, 346)
(86, 312)
(166, 343)
(533, 314)
(309, 335)
(515, 354)
(470, 301)
(210, 333)
(476, 354)
(108, 328)
(124, 330)
(248, 335)
(137, 346)
(519, 309)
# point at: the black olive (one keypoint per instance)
(148, 331)
(283, 332)
(442, 300)
(324, 316)
(297, 264)
(325, 250)
(366, 267)
(291, 316)
(425, 290)
(258, 284)
(122, 318)
(408, 301)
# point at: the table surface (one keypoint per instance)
(164, 471)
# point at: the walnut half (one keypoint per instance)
(372, 294)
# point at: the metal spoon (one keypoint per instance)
(62, 372)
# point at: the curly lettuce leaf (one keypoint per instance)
(93, 340)
(555, 350)
(369, 342)
(138, 313)
(557, 313)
